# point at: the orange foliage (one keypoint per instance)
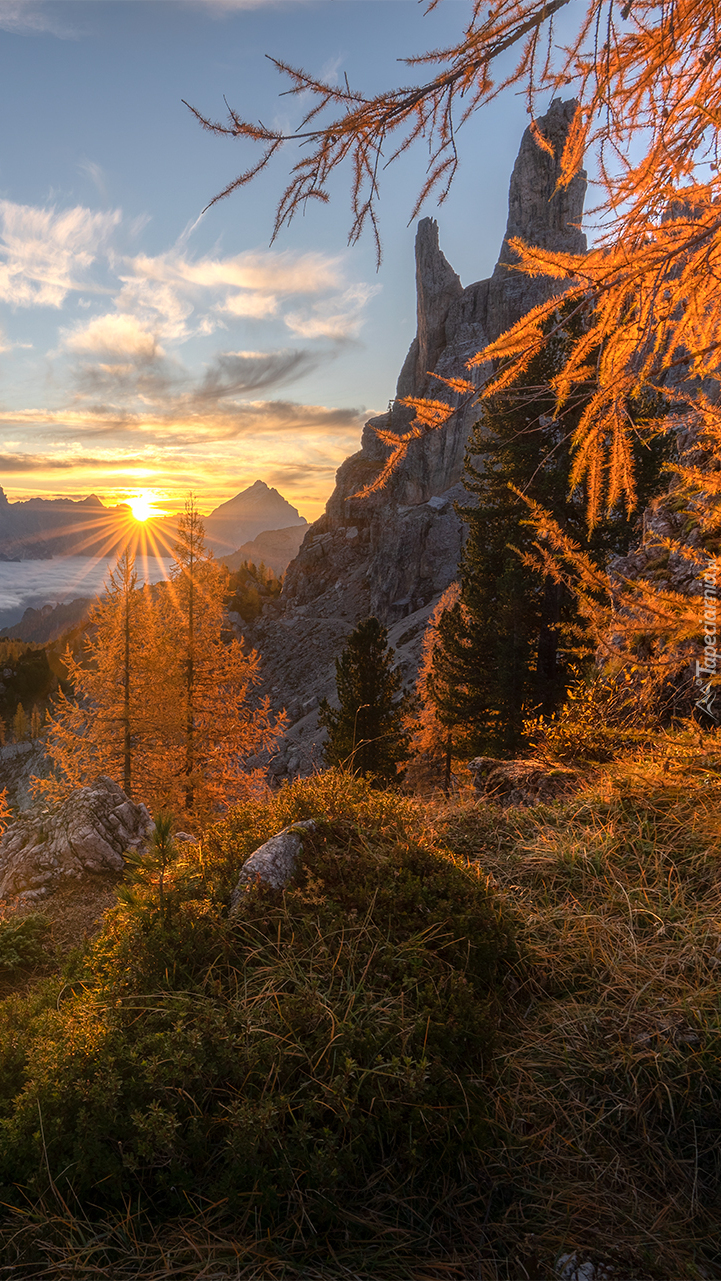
(6, 814)
(647, 76)
(428, 736)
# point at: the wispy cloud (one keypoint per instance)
(116, 334)
(173, 286)
(132, 389)
(222, 7)
(29, 18)
(96, 176)
(235, 373)
(46, 253)
(27, 464)
(122, 361)
(338, 318)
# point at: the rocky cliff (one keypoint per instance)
(392, 554)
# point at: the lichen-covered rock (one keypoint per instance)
(522, 782)
(273, 862)
(89, 832)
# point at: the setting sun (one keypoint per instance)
(141, 507)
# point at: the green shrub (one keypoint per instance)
(316, 1056)
(21, 941)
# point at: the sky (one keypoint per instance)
(148, 347)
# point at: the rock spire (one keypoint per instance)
(394, 553)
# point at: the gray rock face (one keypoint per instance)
(88, 833)
(540, 215)
(274, 862)
(392, 554)
(21, 764)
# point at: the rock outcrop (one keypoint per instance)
(529, 782)
(50, 622)
(90, 832)
(274, 862)
(392, 554)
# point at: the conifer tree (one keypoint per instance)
(365, 733)
(97, 728)
(503, 647)
(160, 697)
(21, 724)
(431, 736)
(36, 722)
(205, 725)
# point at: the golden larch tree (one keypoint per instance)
(206, 726)
(97, 728)
(160, 698)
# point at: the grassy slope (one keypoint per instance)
(607, 1088)
(593, 1127)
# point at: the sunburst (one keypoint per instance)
(141, 507)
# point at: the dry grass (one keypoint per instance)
(605, 1087)
(74, 912)
(607, 1091)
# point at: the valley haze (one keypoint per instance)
(53, 551)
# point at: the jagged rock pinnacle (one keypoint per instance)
(393, 554)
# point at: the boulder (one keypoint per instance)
(274, 862)
(522, 782)
(88, 833)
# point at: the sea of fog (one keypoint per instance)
(48, 582)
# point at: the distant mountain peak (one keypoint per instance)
(256, 499)
(247, 514)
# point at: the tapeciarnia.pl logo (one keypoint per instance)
(707, 669)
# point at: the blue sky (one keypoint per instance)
(143, 347)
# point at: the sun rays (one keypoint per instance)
(142, 507)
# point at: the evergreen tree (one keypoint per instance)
(365, 733)
(503, 648)
(203, 683)
(36, 722)
(433, 741)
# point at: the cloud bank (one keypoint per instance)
(147, 377)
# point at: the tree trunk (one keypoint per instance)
(190, 690)
(127, 743)
(447, 771)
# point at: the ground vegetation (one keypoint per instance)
(322, 1085)
(250, 587)
(29, 674)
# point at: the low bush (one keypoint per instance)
(600, 721)
(316, 1065)
(22, 940)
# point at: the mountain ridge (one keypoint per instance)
(42, 528)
